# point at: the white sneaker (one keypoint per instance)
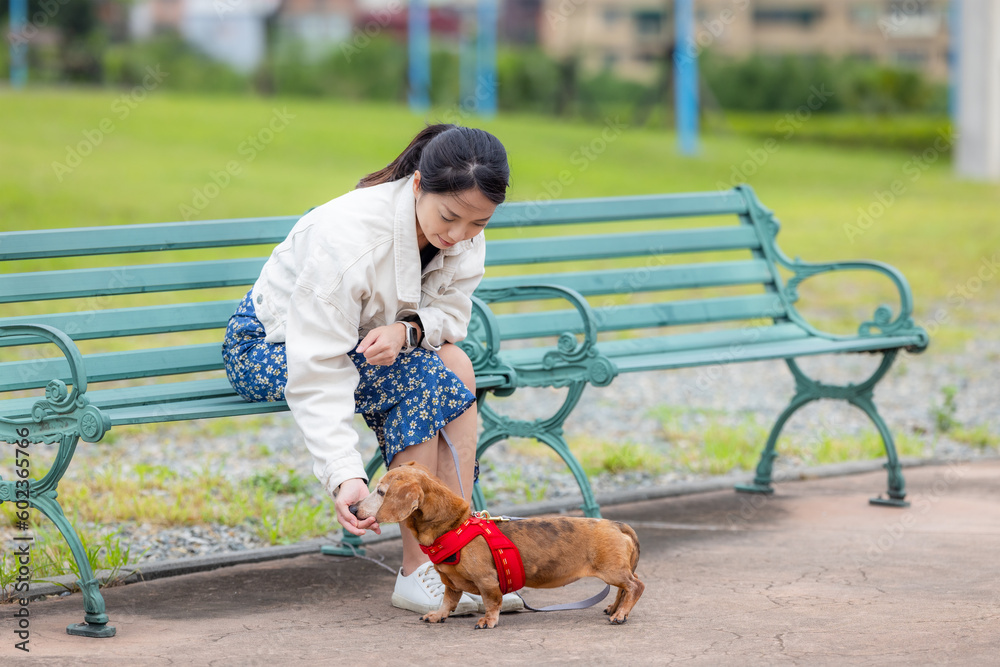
(510, 602)
(422, 592)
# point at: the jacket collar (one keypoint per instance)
(406, 252)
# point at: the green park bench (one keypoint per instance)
(587, 252)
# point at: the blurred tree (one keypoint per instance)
(566, 91)
(78, 32)
(785, 83)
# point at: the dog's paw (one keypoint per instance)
(433, 617)
(617, 619)
(484, 624)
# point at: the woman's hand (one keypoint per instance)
(353, 491)
(382, 345)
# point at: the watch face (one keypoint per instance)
(411, 336)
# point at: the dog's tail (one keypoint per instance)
(630, 534)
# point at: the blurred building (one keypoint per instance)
(231, 31)
(236, 31)
(317, 24)
(517, 21)
(631, 37)
(520, 21)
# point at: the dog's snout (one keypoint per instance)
(353, 509)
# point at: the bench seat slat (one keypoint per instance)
(219, 406)
(176, 400)
(759, 352)
(206, 408)
(643, 315)
(70, 284)
(642, 207)
(732, 339)
(612, 246)
(134, 395)
(646, 279)
(717, 347)
(109, 366)
(128, 321)
(38, 244)
(150, 396)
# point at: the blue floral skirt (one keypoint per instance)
(405, 403)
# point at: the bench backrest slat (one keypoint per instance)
(604, 246)
(106, 367)
(642, 316)
(610, 209)
(78, 283)
(648, 278)
(118, 322)
(78, 242)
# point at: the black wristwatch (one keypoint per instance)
(412, 337)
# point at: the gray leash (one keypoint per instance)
(582, 604)
(378, 561)
(454, 455)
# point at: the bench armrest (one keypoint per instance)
(59, 402)
(569, 350)
(482, 343)
(767, 225)
(882, 321)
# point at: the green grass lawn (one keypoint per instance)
(148, 160)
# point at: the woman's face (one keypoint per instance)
(444, 220)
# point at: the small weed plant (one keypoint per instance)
(944, 414)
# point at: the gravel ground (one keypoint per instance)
(734, 395)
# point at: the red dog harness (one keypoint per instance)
(510, 569)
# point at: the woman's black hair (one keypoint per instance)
(450, 159)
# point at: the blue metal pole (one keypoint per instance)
(418, 33)
(18, 43)
(954, 64)
(486, 58)
(686, 77)
(467, 61)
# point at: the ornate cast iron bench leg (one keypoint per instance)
(95, 619)
(42, 496)
(860, 395)
(549, 431)
(62, 417)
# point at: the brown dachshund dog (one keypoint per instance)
(555, 551)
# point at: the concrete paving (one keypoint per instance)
(812, 575)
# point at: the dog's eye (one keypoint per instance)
(381, 492)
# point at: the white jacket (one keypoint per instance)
(347, 267)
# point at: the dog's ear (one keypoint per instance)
(402, 497)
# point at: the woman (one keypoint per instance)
(359, 310)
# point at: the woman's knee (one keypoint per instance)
(457, 361)
(424, 453)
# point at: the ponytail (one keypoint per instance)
(404, 165)
(450, 159)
